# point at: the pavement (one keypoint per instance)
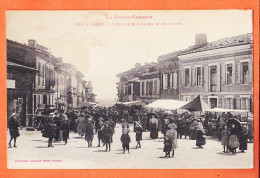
(32, 153)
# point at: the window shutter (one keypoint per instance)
(233, 73)
(218, 78)
(223, 74)
(170, 80)
(190, 79)
(161, 82)
(206, 78)
(241, 72)
(194, 77)
(164, 82)
(238, 73)
(250, 70)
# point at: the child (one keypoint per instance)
(224, 138)
(125, 139)
(65, 130)
(89, 132)
(138, 136)
(167, 146)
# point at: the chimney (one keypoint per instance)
(32, 43)
(137, 65)
(200, 38)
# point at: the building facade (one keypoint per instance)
(21, 69)
(169, 76)
(36, 80)
(221, 71)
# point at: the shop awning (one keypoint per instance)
(166, 104)
(227, 110)
(132, 103)
(197, 104)
(12, 64)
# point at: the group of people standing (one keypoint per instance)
(103, 121)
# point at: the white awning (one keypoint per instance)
(166, 104)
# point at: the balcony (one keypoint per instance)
(213, 88)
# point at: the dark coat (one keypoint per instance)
(65, 131)
(89, 131)
(50, 129)
(107, 134)
(125, 139)
(13, 127)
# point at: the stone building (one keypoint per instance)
(168, 65)
(220, 71)
(138, 84)
(21, 69)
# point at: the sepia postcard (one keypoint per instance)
(130, 89)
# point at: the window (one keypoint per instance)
(229, 74)
(229, 103)
(142, 88)
(39, 74)
(43, 74)
(168, 81)
(147, 88)
(150, 87)
(245, 103)
(155, 87)
(186, 77)
(175, 80)
(198, 76)
(245, 73)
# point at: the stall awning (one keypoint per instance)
(166, 104)
(132, 103)
(197, 104)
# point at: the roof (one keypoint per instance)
(8, 63)
(222, 43)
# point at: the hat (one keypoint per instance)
(12, 115)
(56, 112)
(52, 114)
(172, 126)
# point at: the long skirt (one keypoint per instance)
(233, 142)
(154, 132)
(243, 143)
(193, 134)
(107, 138)
(200, 139)
(224, 140)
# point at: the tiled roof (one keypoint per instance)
(222, 43)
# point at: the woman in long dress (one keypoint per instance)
(233, 140)
(81, 128)
(172, 133)
(13, 126)
(200, 140)
(154, 127)
(243, 138)
(224, 138)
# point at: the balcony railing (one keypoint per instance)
(213, 88)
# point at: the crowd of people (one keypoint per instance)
(102, 120)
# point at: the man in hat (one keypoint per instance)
(50, 129)
(65, 130)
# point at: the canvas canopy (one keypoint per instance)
(132, 103)
(166, 104)
(197, 104)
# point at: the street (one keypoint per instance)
(32, 153)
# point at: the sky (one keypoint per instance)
(100, 45)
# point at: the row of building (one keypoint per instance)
(220, 71)
(36, 80)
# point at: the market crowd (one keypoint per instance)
(87, 121)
